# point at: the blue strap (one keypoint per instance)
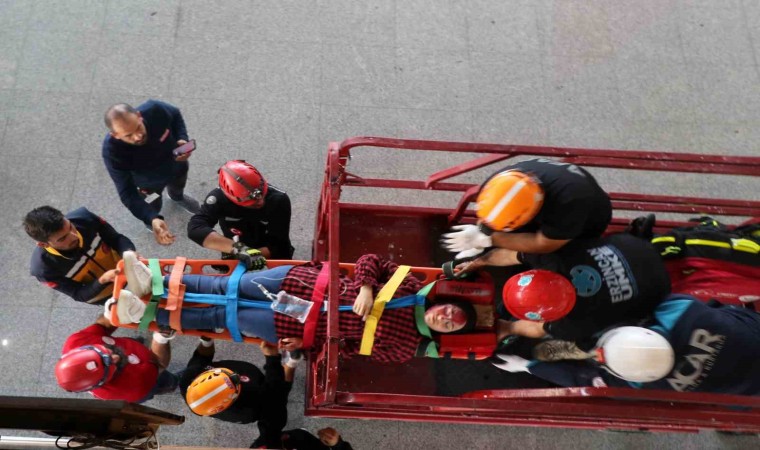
(231, 318)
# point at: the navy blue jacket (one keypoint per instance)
(76, 272)
(148, 166)
(716, 350)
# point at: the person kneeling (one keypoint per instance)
(689, 347)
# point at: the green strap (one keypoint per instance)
(157, 278)
(432, 350)
(422, 328)
(157, 289)
(150, 314)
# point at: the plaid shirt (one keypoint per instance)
(396, 338)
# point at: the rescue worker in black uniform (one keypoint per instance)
(614, 279)
(76, 254)
(245, 205)
(688, 346)
(534, 206)
(238, 392)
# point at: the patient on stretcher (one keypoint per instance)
(397, 335)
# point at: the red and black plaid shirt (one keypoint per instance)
(396, 338)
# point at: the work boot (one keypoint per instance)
(558, 350)
(129, 307)
(139, 279)
(188, 203)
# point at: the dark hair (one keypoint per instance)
(117, 112)
(41, 222)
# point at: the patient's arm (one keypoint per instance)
(526, 328)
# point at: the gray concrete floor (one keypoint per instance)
(273, 81)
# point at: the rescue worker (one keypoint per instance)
(246, 206)
(115, 368)
(238, 392)
(76, 254)
(690, 346)
(396, 337)
(326, 439)
(581, 289)
(534, 206)
(138, 154)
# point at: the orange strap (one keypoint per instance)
(176, 294)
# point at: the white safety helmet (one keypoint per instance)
(635, 354)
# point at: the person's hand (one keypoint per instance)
(512, 363)
(251, 257)
(185, 156)
(469, 266)
(109, 276)
(466, 240)
(329, 436)
(161, 232)
(290, 344)
(269, 349)
(364, 301)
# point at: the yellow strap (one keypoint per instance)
(707, 242)
(745, 245)
(383, 297)
(742, 245)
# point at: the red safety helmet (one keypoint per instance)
(539, 295)
(85, 368)
(242, 183)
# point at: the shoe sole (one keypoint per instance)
(122, 307)
(133, 282)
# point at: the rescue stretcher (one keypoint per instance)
(421, 390)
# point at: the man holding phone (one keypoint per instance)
(145, 151)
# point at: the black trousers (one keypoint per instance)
(175, 188)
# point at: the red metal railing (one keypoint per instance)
(577, 407)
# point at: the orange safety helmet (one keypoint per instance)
(539, 295)
(213, 391)
(242, 183)
(509, 200)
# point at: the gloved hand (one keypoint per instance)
(512, 363)
(251, 257)
(467, 240)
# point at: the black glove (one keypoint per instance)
(251, 257)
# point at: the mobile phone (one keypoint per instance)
(185, 148)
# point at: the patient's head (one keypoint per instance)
(450, 316)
